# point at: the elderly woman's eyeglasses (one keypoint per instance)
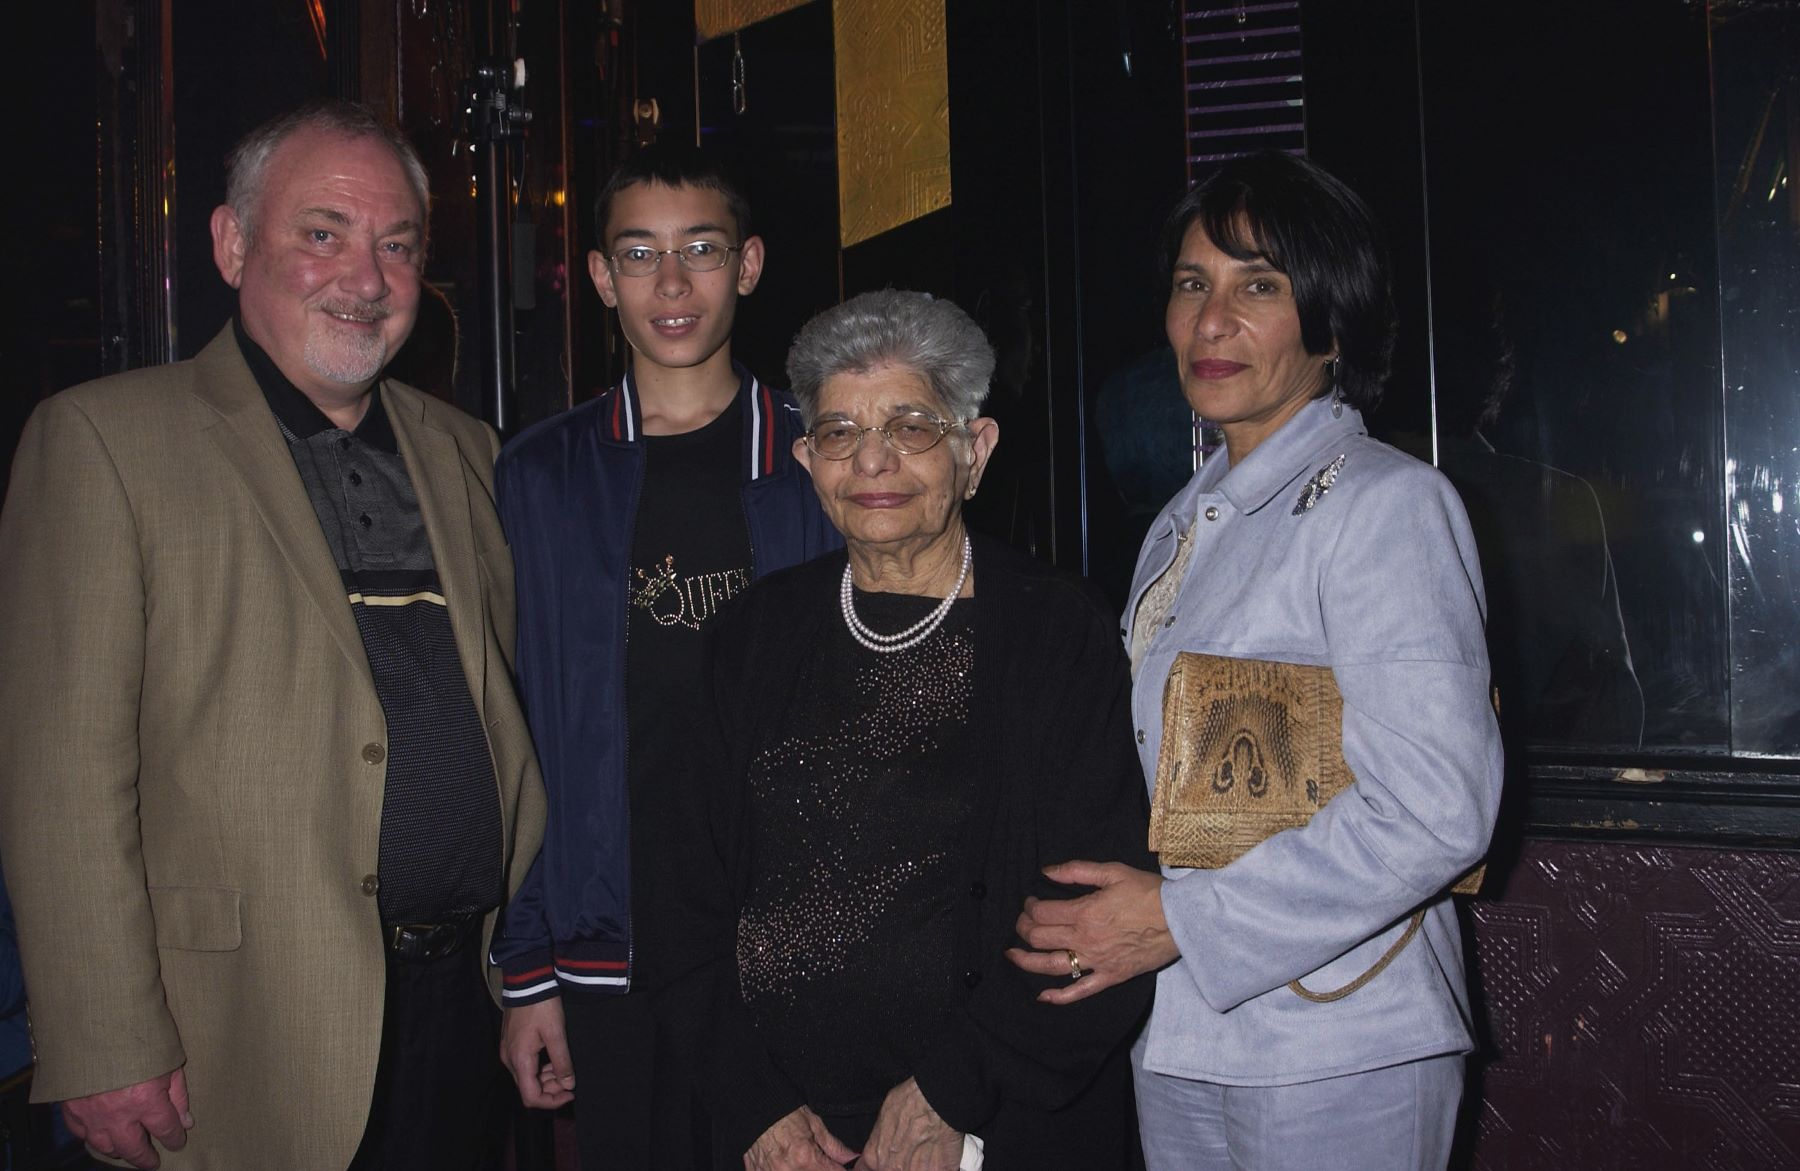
(910, 433)
(700, 256)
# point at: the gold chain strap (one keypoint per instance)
(1412, 929)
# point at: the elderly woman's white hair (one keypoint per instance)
(894, 327)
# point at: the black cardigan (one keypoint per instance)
(1045, 1085)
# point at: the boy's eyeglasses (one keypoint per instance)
(700, 256)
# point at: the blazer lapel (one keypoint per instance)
(434, 461)
(247, 436)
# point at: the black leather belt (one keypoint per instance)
(420, 943)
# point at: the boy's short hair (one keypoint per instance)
(673, 165)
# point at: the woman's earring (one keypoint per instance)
(1337, 391)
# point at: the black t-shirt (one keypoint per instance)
(690, 553)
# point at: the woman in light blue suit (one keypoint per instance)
(1304, 541)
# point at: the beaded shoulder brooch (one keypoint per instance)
(1318, 486)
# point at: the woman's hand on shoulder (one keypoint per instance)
(909, 1135)
(798, 1142)
(1099, 939)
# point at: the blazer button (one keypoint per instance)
(978, 889)
(373, 754)
(370, 884)
(1140, 735)
(971, 978)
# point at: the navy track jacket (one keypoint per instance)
(568, 492)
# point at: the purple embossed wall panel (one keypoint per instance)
(1640, 1010)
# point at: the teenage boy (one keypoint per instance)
(632, 519)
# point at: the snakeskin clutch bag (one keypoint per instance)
(1249, 748)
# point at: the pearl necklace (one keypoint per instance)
(913, 635)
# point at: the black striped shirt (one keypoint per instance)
(440, 817)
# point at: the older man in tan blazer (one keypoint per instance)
(263, 778)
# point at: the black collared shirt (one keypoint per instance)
(440, 817)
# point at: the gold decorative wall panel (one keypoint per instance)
(715, 18)
(893, 114)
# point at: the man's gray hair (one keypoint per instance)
(892, 327)
(247, 165)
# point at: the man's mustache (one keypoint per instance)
(365, 310)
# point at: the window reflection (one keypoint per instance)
(1576, 345)
(1614, 264)
(1756, 69)
(1562, 655)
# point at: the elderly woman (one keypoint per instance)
(1279, 1039)
(915, 728)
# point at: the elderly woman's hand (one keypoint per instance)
(1115, 933)
(909, 1135)
(798, 1142)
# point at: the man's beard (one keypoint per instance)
(348, 356)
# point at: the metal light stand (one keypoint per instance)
(497, 118)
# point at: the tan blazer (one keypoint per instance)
(190, 768)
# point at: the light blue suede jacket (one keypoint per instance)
(1378, 580)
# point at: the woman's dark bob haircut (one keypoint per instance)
(1297, 216)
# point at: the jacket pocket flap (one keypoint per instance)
(197, 918)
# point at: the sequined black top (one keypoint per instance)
(1050, 768)
(855, 813)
